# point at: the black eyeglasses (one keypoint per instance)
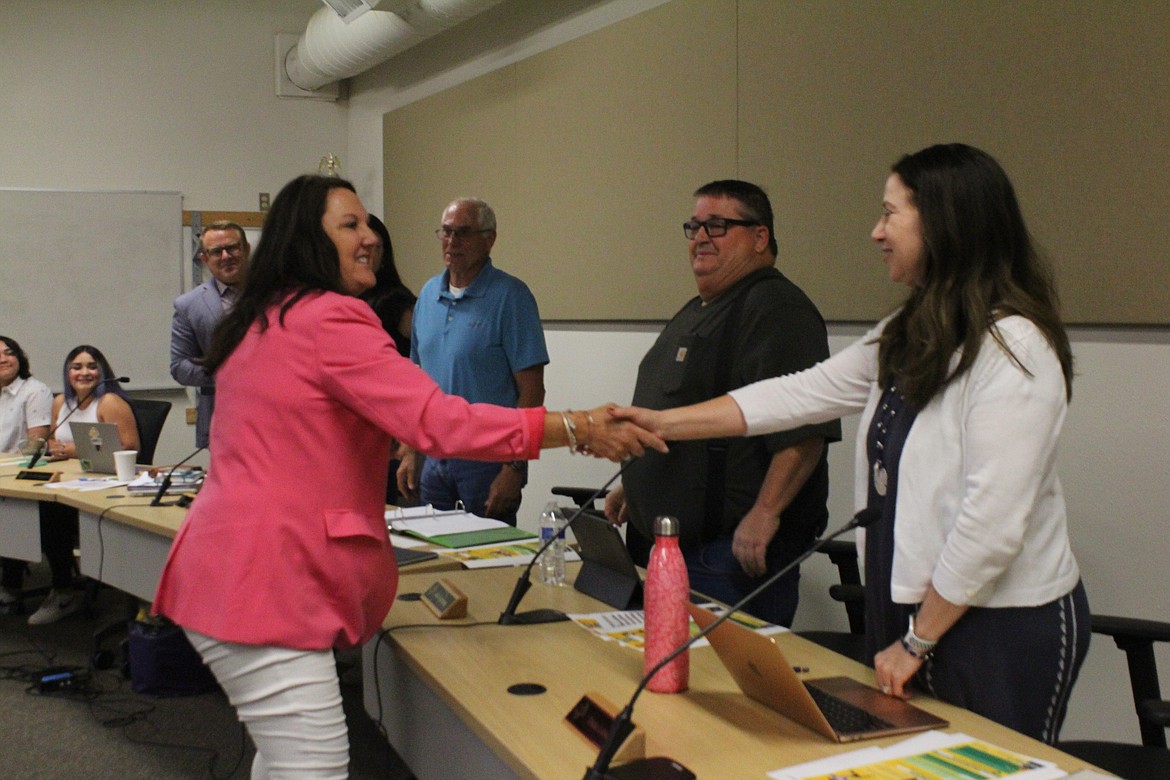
(715, 227)
(230, 249)
(447, 233)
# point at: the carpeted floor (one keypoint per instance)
(103, 729)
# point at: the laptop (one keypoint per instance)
(96, 444)
(839, 708)
(607, 571)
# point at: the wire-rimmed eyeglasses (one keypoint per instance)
(446, 233)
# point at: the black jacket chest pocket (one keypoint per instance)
(689, 374)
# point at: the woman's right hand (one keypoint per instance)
(646, 419)
(605, 436)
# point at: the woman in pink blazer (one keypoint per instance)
(284, 556)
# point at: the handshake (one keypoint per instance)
(604, 432)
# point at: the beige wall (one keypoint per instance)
(588, 150)
(177, 96)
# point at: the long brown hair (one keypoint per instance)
(294, 257)
(980, 264)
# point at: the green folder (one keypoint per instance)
(472, 538)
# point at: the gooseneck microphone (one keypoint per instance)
(623, 724)
(166, 483)
(508, 616)
(40, 450)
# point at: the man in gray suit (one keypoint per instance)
(225, 254)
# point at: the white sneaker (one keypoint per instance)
(57, 605)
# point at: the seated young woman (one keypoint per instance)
(92, 394)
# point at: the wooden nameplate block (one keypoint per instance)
(445, 600)
(592, 717)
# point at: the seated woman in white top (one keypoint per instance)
(92, 394)
(25, 408)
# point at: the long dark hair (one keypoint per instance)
(979, 265)
(105, 372)
(294, 257)
(22, 369)
(389, 297)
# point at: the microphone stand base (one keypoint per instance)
(533, 617)
(657, 768)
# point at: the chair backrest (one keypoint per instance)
(850, 592)
(579, 495)
(843, 554)
(1151, 758)
(1136, 637)
(149, 416)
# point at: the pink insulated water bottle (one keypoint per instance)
(667, 623)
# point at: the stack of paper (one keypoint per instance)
(183, 480)
(932, 755)
(627, 627)
(491, 556)
(86, 484)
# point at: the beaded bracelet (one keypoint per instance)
(920, 656)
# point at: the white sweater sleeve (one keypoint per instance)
(831, 389)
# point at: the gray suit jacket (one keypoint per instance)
(197, 312)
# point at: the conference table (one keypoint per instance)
(123, 540)
(440, 688)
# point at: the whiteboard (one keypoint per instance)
(96, 267)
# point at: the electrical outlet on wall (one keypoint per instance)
(264, 201)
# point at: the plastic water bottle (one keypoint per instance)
(667, 591)
(550, 567)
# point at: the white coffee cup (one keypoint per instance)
(124, 464)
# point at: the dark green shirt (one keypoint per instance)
(779, 332)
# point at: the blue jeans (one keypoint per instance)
(715, 572)
(447, 480)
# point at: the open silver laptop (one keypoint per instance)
(840, 708)
(96, 444)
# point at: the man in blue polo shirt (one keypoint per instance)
(477, 333)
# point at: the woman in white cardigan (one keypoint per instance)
(972, 590)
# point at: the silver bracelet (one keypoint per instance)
(570, 431)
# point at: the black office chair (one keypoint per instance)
(578, 495)
(1151, 758)
(850, 592)
(149, 416)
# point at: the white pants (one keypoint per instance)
(290, 702)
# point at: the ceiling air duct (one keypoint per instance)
(332, 49)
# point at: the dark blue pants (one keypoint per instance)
(447, 480)
(715, 572)
(1014, 665)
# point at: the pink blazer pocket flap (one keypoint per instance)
(344, 523)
